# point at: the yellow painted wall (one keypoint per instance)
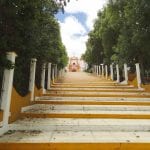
(146, 87)
(1, 115)
(75, 146)
(132, 79)
(17, 102)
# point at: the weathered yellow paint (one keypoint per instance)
(75, 146)
(132, 80)
(17, 102)
(1, 115)
(93, 103)
(116, 116)
(146, 87)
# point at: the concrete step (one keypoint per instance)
(48, 108)
(86, 83)
(55, 91)
(66, 140)
(77, 111)
(97, 94)
(96, 89)
(92, 86)
(92, 102)
(102, 99)
(61, 124)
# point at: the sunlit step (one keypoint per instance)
(49, 108)
(61, 124)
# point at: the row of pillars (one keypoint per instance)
(53, 73)
(102, 70)
(8, 85)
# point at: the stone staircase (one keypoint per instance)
(83, 112)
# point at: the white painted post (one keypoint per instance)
(7, 91)
(32, 77)
(126, 73)
(111, 72)
(49, 76)
(61, 73)
(43, 77)
(99, 70)
(118, 75)
(56, 71)
(102, 70)
(138, 75)
(106, 71)
(53, 74)
(94, 69)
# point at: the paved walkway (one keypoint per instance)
(83, 108)
(81, 77)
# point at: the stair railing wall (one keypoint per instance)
(117, 73)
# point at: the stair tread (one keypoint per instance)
(50, 108)
(74, 137)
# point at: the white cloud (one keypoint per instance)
(89, 7)
(74, 34)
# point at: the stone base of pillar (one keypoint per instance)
(141, 89)
(43, 91)
(118, 82)
(4, 130)
(124, 82)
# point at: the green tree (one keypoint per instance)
(123, 28)
(29, 28)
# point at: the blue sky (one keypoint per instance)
(76, 23)
(80, 16)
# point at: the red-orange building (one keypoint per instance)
(74, 65)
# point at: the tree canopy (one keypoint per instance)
(121, 34)
(29, 28)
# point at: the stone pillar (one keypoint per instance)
(7, 91)
(49, 76)
(138, 75)
(32, 77)
(102, 70)
(53, 74)
(43, 77)
(111, 72)
(99, 70)
(55, 71)
(106, 71)
(94, 69)
(126, 73)
(118, 75)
